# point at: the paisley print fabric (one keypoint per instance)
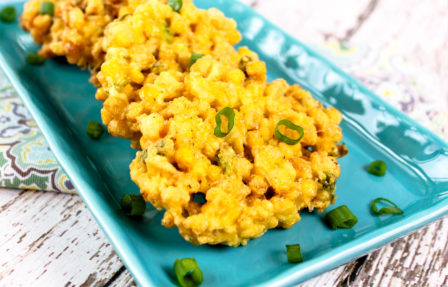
(26, 161)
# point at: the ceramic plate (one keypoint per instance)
(62, 102)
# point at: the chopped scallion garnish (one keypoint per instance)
(35, 59)
(284, 138)
(144, 155)
(194, 57)
(8, 14)
(124, 16)
(188, 272)
(176, 5)
(95, 130)
(246, 59)
(294, 254)
(394, 209)
(377, 168)
(167, 35)
(133, 204)
(341, 217)
(47, 8)
(229, 113)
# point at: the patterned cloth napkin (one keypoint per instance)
(26, 162)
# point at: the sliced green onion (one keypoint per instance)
(8, 14)
(243, 63)
(176, 5)
(188, 272)
(35, 59)
(47, 7)
(377, 168)
(341, 217)
(394, 209)
(95, 130)
(144, 156)
(284, 138)
(329, 182)
(158, 68)
(230, 115)
(194, 57)
(294, 254)
(133, 204)
(167, 35)
(124, 16)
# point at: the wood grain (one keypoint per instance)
(125, 279)
(419, 259)
(419, 29)
(49, 239)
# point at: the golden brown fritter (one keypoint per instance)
(250, 180)
(76, 28)
(155, 39)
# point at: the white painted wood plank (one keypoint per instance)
(7, 196)
(330, 278)
(50, 239)
(124, 279)
(420, 259)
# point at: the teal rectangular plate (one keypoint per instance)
(62, 102)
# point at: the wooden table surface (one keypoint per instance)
(50, 239)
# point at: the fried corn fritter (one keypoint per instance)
(75, 29)
(154, 46)
(249, 180)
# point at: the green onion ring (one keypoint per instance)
(94, 130)
(341, 217)
(8, 14)
(35, 59)
(294, 254)
(229, 113)
(394, 209)
(188, 272)
(377, 168)
(133, 204)
(292, 126)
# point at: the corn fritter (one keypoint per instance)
(76, 28)
(250, 181)
(143, 46)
